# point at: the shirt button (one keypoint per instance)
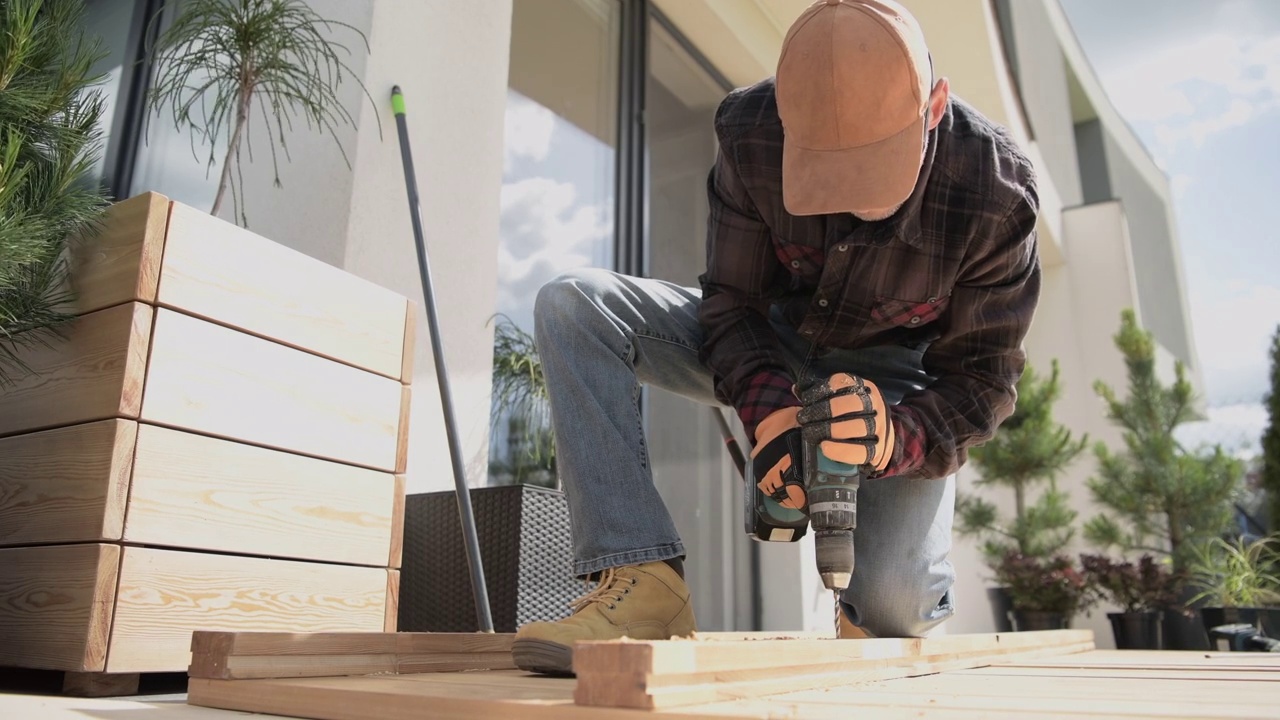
(842, 247)
(808, 332)
(915, 320)
(933, 300)
(795, 263)
(823, 303)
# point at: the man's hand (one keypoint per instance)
(850, 418)
(777, 456)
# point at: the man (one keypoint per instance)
(867, 230)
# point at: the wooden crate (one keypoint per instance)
(218, 442)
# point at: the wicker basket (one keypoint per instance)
(526, 548)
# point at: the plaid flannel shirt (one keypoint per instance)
(956, 270)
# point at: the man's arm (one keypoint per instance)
(739, 345)
(979, 358)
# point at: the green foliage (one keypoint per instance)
(220, 56)
(520, 400)
(49, 143)
(1271, 438)
(1237, 573)
(1162, 499)
(1029, 448)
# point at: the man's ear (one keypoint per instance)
(938, 102)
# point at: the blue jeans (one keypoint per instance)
(601, 335)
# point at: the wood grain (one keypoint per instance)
(392, 617)
(221, 272)
(66, 485)
(402, 438)
(95, 372)
(100, 684)
(119, 262)
(193, 491)
(214, 380)
(410, 342)
(166, 595)
(671, 673)
(396, 556)
(56, 605)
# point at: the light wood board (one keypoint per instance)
(467, 696)
(165, 595)
(119, 261)
(669, 673)
(92, 373)
(193, 491)
(391, 620)
(66, 485)
(246, 655)
(214, 380)
(56, 605)
(396, 555)
(221, 272)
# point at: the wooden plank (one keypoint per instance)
(56, 604)
(166, 595)
(402, 435)
(1068, 687)
(649, 675)
(100, 684)
(119, 262)
(396, 556)
(214, 380)
(410, 342)
(233, 655)
(223, 273)
(1162, 659)
(391, 616)
(66, 485)
(193, 491)
(94, 372)
(1133, 673)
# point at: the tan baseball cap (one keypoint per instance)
(852, 87)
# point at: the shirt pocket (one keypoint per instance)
(802, 261)
(898, 312)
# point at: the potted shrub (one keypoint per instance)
(1143, 592)
(1046, 593)
(1238, 582)
(1029, 449)
(1158, 496)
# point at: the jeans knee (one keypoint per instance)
(568, 295)
(900, 608)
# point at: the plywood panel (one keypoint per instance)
(165, 595)
(225, 273)
(211, 379)
(66, 485)
(392, 617)
(193, 491)
(93, 373)
(120, 261)
(56, 605)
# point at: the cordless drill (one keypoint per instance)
(831, 507)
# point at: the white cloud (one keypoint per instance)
(1233, 329)
(1188, 93)
(528, 129)
(547, 228)
(1237, 428)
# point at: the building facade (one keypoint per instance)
(553, 134)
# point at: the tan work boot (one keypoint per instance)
(642, 602)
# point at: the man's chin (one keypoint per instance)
(876, 215)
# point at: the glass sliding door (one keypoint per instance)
(558, 195)
(691, 467)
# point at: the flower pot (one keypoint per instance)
(525, 547)
(1026, 620)
(1001, 605)
(1216, 616)
(1136, 630)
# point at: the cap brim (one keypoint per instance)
(872, 177)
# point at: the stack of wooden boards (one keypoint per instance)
(218, 444)
(1048, 674)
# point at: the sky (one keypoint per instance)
(1199, 83)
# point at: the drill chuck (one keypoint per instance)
(834, 551)
(833, 512)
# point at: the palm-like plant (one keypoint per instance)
(50, 140)
(520, 400)
(1237, 573)
(220, 57)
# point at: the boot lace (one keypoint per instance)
(610, 591)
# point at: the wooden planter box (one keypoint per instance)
(218, 444)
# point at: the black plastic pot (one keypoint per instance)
(1216, 616)
(1026, 620)
(1001, 605)
(1137, 630)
